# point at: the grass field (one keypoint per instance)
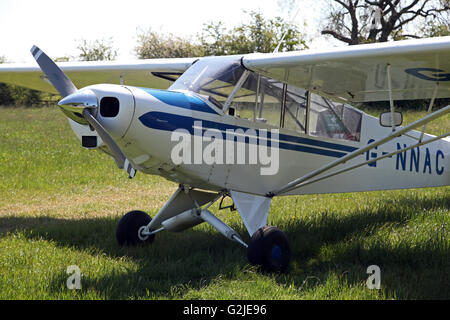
(60, 204)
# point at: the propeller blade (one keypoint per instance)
(53, 73)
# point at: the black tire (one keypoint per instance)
(269, 248)
(128, 228)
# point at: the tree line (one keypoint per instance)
(349, 21)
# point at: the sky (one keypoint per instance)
(57, 27)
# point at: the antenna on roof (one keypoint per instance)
(284, 35)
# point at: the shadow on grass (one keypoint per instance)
(345, 245)
(167, 267)
(192, 259)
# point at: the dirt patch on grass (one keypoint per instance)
(110, 201)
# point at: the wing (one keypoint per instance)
(153, 73)
(359, 73)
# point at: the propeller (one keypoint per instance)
(83, 103)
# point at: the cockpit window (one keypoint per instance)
(269, 101)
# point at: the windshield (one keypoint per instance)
(211, 77)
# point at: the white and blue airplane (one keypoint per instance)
(255, 126)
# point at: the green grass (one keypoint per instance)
(60, 204)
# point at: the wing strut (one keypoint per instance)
(372, 160)
(430, 107)
(306, 178)
(391, 100)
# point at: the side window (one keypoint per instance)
(352, 120)
(259, 99)
(337, 121)
(244, 109)
(268, 106)
(295, 112)
(245, 99)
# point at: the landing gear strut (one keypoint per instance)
(268, 246)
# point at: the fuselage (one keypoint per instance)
(152, 125)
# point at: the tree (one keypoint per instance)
(259, 35)
(156, 45)
(25, 97)
(18, 96)
(439, 27)
(436, 30)
(363, 21)
(97, 50)
(63, 59)
(5, 94)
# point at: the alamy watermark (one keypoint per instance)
(235, 146)
(74, 280)
(374, 280)
(375, 17)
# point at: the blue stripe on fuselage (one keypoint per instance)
(180, 99)
(170, 122)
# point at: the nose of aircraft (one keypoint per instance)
(112, 106)
(73, 104)
(82, 98)
(83, 107)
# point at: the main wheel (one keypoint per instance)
(270, 249)
(129, 227)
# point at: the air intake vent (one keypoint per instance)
(89, 141)
(109, 107)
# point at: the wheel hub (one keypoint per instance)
(276, 253)
(141, 234)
